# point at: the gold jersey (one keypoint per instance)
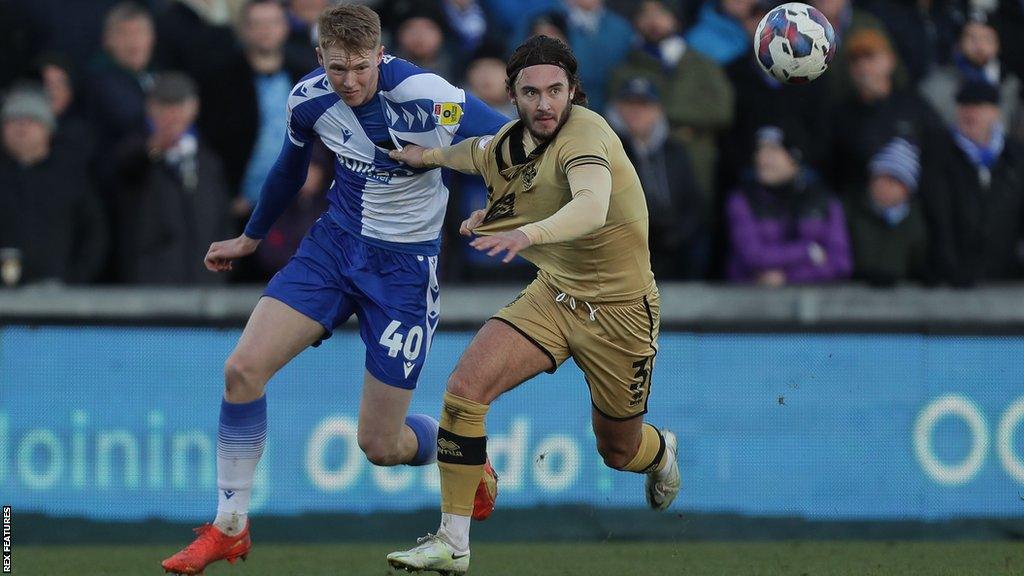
(611, 264)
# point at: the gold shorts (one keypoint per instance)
(614, 344)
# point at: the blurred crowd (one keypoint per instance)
(137, 133)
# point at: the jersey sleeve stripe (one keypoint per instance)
(588, 162)
(586, 159)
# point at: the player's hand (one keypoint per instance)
(512, 241)
(219, 256)
(817, 254)
(410, 154)
(473, 221)
(772, 278)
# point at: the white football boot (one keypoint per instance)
(663, 486)
(431, 555)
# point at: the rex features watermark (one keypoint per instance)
(8, 568)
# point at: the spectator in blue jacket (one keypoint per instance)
(724, 29)
(468, 24)
(600, 39)
(515, 15)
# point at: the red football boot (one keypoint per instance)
(209, 546)
(486, 493)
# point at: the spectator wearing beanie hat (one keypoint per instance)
(851, 20)
(784, 227)
(876, 111)
(974, 193)
(48, 209)
(888, 234)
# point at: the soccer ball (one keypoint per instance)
(794, 43)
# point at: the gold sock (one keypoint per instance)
(650, 457)
(461, 452)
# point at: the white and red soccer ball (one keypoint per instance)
(794, 43)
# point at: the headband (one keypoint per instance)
(543, 54)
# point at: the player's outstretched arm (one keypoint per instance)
(459, 157)
(591, 187)
(587, 211)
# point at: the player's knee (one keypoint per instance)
(379, 451)
(242, 379)
(615, 455)
(463, 387)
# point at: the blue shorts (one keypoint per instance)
(395, 295)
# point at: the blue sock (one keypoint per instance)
(425, 429)
(240, 441)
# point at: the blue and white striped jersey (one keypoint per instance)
(382, 201)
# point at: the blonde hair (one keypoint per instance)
(354, 28)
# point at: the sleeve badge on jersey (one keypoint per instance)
(448, 113)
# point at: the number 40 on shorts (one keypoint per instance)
(409, 344)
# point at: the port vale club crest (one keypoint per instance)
(529, 174)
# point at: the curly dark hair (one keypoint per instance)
(545, 50)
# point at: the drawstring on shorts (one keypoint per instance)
(563, 297)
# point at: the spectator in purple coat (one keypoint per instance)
(784, 227)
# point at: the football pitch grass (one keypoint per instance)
(797, 558)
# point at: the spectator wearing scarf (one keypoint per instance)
(974, 193)
(698, 99)
(171, 198)
(975, 59)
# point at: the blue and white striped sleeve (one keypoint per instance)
(479, 119)
(456, 113)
